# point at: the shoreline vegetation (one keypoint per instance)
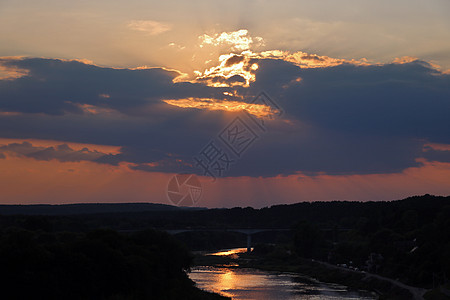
(101, 264)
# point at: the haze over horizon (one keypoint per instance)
(104, 102)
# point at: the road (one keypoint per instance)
(415, 291)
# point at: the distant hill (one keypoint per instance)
(86, 208)
(345, 214)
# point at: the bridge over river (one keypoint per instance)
(247, 231)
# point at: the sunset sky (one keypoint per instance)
(105, 101)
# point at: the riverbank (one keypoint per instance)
(256, 284)
(384, 288)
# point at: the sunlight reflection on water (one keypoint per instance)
(230, 252)
(243, 283)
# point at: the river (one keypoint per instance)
(246, 283)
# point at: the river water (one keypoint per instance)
(245, 283)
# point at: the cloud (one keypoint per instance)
(437, 155)
(238, 40)
(60, 152)
(233, 70)
(176, 46)
(341, 118)
(404, 60)
(306, 60)
(56, 87)
(406, 100)
(10, 72)
(258, 110)
(149, 27)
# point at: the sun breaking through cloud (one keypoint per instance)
(233, 70)
(345, 118)
(238, 40)
(258, 110)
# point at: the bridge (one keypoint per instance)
(246, 231)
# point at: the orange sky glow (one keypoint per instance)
(28, 181)
(102, 103)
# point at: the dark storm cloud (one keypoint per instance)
(61, 152)
(401, 100)
(142, 140)
(437, 155)
(338, 120)
(358, 119)
(56, 87)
